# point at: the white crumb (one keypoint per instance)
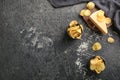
(83, 47)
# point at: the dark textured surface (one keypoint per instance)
(111, 8)
(34, 44)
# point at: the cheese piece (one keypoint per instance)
(100, 25)
(87, 12)
(97, 64)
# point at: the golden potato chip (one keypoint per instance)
(75, 30)
(96, 46)
(87, 12)
(90, 5)
(107, 20)
(82, 12)
(110, 40)
(97, 64)
(73, 23)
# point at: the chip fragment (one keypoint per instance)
(82, 12)
(110, 40)
(75, 30)
(96, 46)
(97, 64)
(85, 12)
(90, 5)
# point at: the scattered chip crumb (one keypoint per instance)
(75, 30)
(96, 46)
(110, 40)
(82, 12)
(85, 12)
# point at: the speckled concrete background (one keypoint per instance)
(34, 44)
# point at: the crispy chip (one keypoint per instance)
(100, 16)
(75, 30)
(90, 5)
(82, 12)
(87, 12)
(96, 46)
(110, 40)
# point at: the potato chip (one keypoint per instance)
(96, 46)
(90, 5)
(82, 12)
(110, 40)
(97, 64)
(87, 12)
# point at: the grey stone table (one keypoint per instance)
(34, 44)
